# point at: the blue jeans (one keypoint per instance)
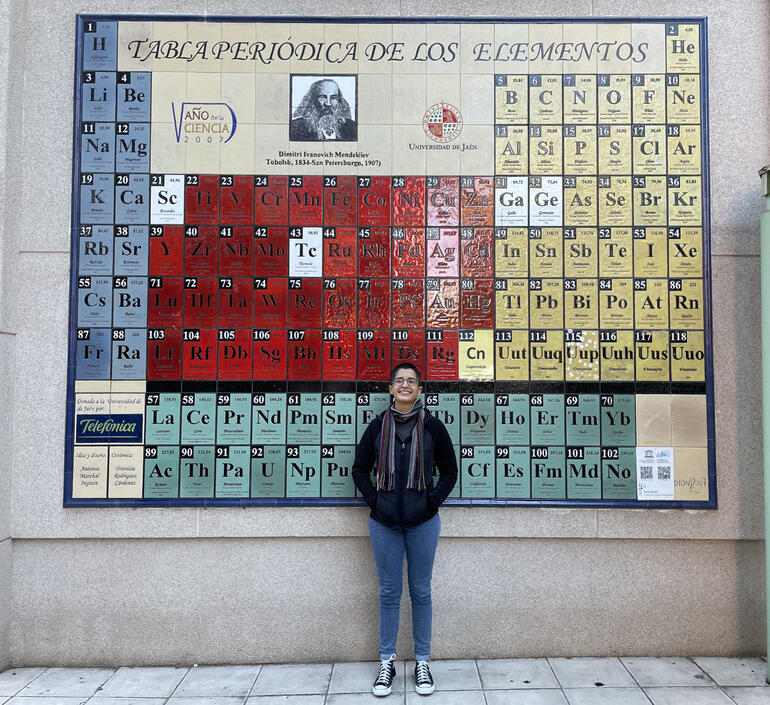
(389, 545)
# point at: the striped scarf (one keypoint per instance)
(386, 461)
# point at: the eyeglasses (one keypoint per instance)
(411, 381)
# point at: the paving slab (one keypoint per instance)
(587, 672)
(447, 697)
(359, 699)
(14, 679)
(293, 679)
(218, 680)
(358, 677)
(68, 682)
(607, 696)
(505, 674)
(206, 700)
(96, 700)
(734, 671)
(668, 671)
(286, 700)
(448, 675)
(538, 696)
(686, 696)
(749, 695)
(143, 682)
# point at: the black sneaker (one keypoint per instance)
(384, 683)
(423, 680)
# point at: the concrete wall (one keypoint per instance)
(109, 586)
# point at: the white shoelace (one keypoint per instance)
(423, 672)
(384, 674)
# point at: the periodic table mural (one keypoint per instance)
(270, 213)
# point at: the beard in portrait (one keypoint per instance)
(323, 114)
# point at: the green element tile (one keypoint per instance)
(233, 419)
(161, 472)
(512, 420)
(268, 471)
(196, 472)
(619, 473)
(336, 471)
(233, 471)
(582, 414)
(268, 419)
(478, 471)
(446, 408)
(303, 470)
(162, 419)
(199, 413)
(548, 481)
(303, 418)
(339, 418)
(367, 407)
(513, 472)
(477, 415)
(584, 479)
(618, 419)
(547, 417)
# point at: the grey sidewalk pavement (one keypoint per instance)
(532, 681)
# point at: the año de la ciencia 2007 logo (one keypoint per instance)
(204, 122)
(442, 122)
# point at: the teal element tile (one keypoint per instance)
(619, 473)
(196, 472)
(268, 419)
(234, 419)
(547, 418)
(582, 419)
(336, 471)
(512, 419)
(339, 418)
(367, 407)
(161, 471)
(584, 479)
(446, 408)
(548, 481)
(303, 471)
(477, 467)
(618, 419)
(477, 415)
(513, 472)
(199, 413)
(162, 416)
(303, 418)
(233, 471)
(268, 471)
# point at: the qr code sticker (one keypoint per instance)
(645, 472)
(664, 472)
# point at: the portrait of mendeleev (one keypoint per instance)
(323, 108)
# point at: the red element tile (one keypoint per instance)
(339, 354)
(270, 354)
(408, 303)
(408, 252)
(373, 352)
(235, 302)
(339, 201)
(373, 200)
(234, 354)
(442, 353)
(477, 252)
(271, 200)
(201, 251)
(442, 303)
(477, 300)
(271, 252)
(339, 252)
(200, 354)
(164, 353)
(270, 302)
(408, 346)
(443, 201)
(374, 252)
(235, 255)
(304, 354)
(305, 303)
(339, 303)
(166, 250)
(374, 303)
(201, 199)
(409, 201)
(236, 200)
(200, 302)
(477, 204)
(306, 200)
(164, 302)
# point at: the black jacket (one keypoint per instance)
(403, 507)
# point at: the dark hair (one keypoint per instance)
(406, 366)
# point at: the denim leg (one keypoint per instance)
(388, 547)
(421, 543)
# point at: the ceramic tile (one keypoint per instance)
(517, 673)
(653, 420)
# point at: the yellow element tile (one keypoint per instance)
(688, 356)
(614, 149)
(618, 57)
(411, 36)
(686, 301)
(688, 412)
(685, 252)
(581, 252)
(512, 303)
(580, 153)
(133, 43)
(546, 354)
(511, 100)
(652, 359)
(545, 100)
(683, 49)
(650, 249)
(614, 99)
(477, 101)
(616, 303)
(691, 469)
(649, 98)
(545, 252)
(685, 201)
(545, 147)
(238, 90)
(477, 150)
(651, 303)
(580, 100)
(204, 36)
(377, 51)
(653, 419)
(168, 88)
(89, 472)
(477, 352)
(512, 355)
(473, 35)
(649, 149)
(546, 305)
(343, 51)
(651, 42)
(511, 250)
(581, 304)
(511, 150)
(239, 39)
(173, 37)
(441, 51)
(543, 53)
(684, 150)
(410, 99)
(649, 200)
(579, 59)
(272, 103)
(405, 159)
(683, 100)
(580, 199)
(375, 104)
(267, 52)
(615, 252)
(617, 355)
(581, 349)
(92, 386)
(126, 472)
(509, 52)
(167, 155)
(615, 201)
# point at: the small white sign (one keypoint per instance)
(654, 473)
